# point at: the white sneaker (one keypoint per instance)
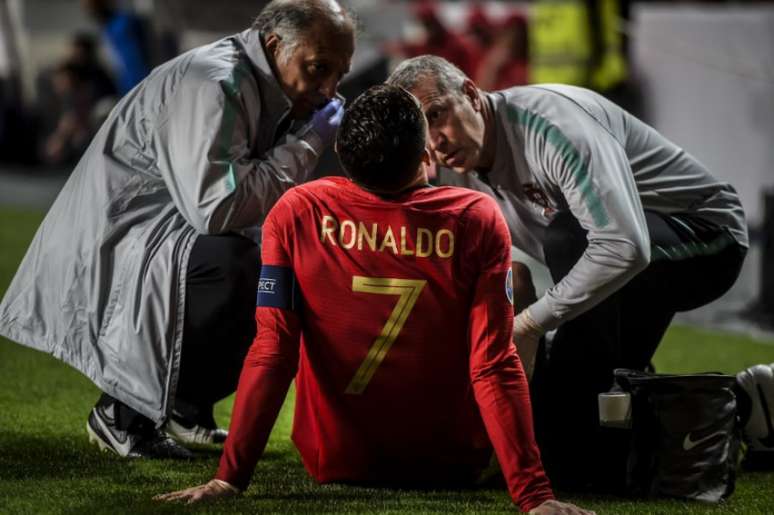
(758, 382)
(190, 432)
(149, 443)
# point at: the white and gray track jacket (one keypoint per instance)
(563, 148)
(190, 150)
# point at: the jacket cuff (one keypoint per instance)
(541, 312)
(311, 138)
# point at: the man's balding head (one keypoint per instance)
(292, 20)
(309, 44)
(446, 78)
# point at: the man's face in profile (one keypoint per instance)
(455, 126)
(310, 72)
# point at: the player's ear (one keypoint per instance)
(470, 91)
(429, 168)
(427, 159)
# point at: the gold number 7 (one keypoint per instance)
(408, 290)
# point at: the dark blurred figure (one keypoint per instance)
(610, 72)
(438, 40)
(127, 38)
(83, 54)
(18, 130)
(761, 311)
(17, 127)
(583, 43)
(73, 99)
(480, 28)
(506, 63)
(72, 132)
(578, 42)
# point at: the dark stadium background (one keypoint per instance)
(702, 73)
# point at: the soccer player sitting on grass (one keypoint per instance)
(396, 297)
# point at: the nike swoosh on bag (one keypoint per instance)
(689, 443)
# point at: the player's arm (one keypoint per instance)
(595, 177)
(269, 368)
(499, 383)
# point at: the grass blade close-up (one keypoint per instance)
(48, 466)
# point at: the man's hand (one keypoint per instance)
(326, 121)
(215, 489)
(559, 508)
(526, 337)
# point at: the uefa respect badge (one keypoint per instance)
(278, 288)
(509, 285)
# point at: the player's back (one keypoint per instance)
(387, 288)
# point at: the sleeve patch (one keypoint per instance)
(278, 288)
(509, 285)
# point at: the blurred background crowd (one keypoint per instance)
(497, 44)
(700, 72)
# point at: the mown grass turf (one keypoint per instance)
(47, 465)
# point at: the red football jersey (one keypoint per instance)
(406, 370)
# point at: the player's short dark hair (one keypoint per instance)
(381, 138)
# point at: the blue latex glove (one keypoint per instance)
(326, 121)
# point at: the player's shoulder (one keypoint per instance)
(432, 199)
(303, 196)
(460, 198)
(318, 188)
(469, 207)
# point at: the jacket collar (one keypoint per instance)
(273, 98)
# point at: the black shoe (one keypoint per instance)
(190, 432)
(160, 445)
(143, 443)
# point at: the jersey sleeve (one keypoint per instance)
(269, 366)
(590, 167)
(499, 383)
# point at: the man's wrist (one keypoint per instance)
(537, 501)
(312, 138)
(524, 324)
(227, 486)
(542, 312)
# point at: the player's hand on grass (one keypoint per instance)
(554, 507)
(215, 489)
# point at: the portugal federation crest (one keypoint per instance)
(537, 196)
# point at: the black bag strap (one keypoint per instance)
(630, 380)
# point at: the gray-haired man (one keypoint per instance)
(632, 228)
(138, 277)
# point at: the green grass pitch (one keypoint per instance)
(48, 466)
